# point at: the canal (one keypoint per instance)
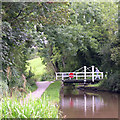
(75, 103)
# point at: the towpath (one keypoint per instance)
(42, 86)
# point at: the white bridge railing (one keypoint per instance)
(80, 75)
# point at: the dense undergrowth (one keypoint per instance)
(112, 83)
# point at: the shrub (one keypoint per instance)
(112, 83)
(47, 76)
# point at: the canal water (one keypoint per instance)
(75, 103)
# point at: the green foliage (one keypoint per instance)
(3, 88)
(47, 77)
(14, 54)
(115, 55)
(22, 32)
(112, 83)
(80, 40)
(31, 87)
(40, 108)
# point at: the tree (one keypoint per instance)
(20, 32)
(80, 40)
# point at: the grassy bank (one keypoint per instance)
(37, 68)
(40, 108)
(97, 85)
(53, 92)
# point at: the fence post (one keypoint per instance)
(102, 75)
(76, 76)
(84, 74)
(92, 73)
(62, 77)
(56, 76)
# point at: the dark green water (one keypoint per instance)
(76, 103)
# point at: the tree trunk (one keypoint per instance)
(55, 66)
(56, 69)
(63, 62)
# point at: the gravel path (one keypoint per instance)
(42, 86)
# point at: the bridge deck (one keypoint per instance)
(81, 81)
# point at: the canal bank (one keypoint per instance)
(93, 87)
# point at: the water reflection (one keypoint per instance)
(81, 104)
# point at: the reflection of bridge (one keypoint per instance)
(85, 75)
(86, 103)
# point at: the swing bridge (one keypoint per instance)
(83, 75)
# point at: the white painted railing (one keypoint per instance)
(80, 75)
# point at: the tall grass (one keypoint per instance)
(40, 108)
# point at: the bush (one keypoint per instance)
(112, 83)
(47, 76)
(31, 74)
(3, 88)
